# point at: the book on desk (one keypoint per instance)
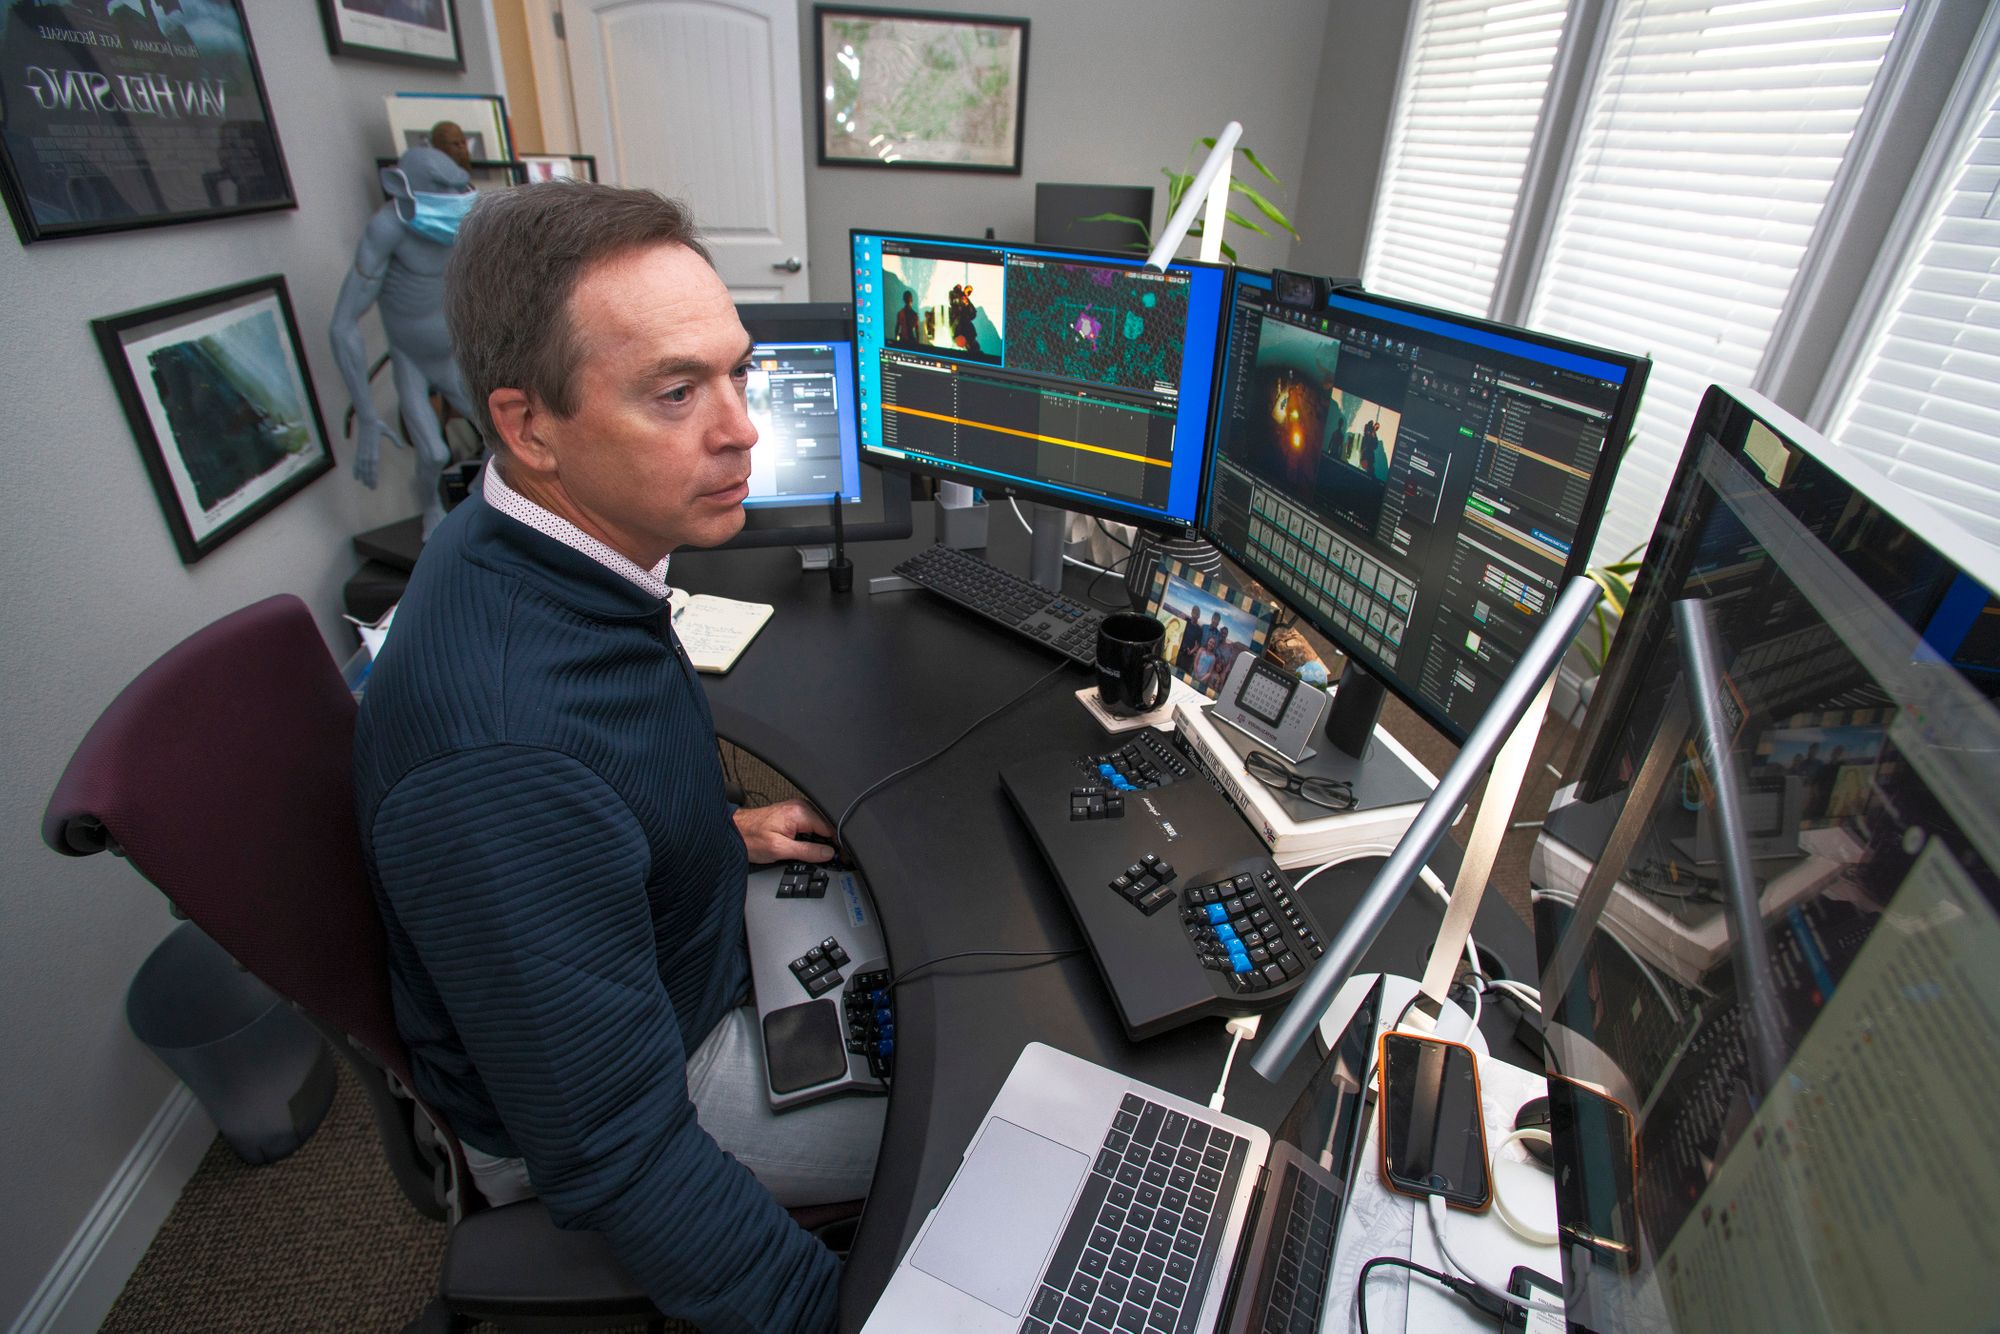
(716, 630)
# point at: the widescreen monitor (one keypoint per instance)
(1418, 485)
(1778, 1114)
(802, 398)
(1079, 379)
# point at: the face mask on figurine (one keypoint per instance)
(435, 217)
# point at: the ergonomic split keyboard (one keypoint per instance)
(1142, 1236)
(1028, 609)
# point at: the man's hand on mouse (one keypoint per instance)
(778, 833)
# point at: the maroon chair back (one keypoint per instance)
(223, 773)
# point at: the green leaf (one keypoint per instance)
(1264, 206)
(1114, 217)
(1262, 170)
(1229, 252)
(1242, 221)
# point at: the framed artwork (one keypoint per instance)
(483, 117)
(560, 167)
(397, 32)
(1209, 624)
(938, 92)
(216, 392)
(128, 115)
(485, 175)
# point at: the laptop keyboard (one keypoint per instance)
(1294, 1289)
(1140, 1244)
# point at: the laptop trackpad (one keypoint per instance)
(1002, 1215)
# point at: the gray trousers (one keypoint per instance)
(823, 1153)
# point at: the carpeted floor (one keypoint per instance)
(324, 1240)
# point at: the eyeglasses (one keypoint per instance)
(1333, 793)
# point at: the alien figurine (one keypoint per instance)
(400, 266)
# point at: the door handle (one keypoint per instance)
(790, 265)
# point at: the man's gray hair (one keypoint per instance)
(517, 260)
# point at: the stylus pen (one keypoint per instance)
(1400, 872)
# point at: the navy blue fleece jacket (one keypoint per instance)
(543, 818)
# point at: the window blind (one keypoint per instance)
(1926, 399)
(1471, 93)
(1710, 141)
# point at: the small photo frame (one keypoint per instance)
(558, 167)
(932, 92)
(215, 389)
(396, 32)
(485, 175)
(483, 117)
(1209, 624)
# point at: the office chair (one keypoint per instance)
(222, 773)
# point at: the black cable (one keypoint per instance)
(840, 845)
(1091, 590)
(1457, 1285)
(1113, 536)
(1047, 956)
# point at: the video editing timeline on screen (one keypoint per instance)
(794, 397)
(1415, 486)
(1081, 376)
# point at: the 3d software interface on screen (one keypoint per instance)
(1001, 364)
(1417, 485)
(805, 434)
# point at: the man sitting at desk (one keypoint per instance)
(540, 799)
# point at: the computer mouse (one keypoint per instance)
(1534, 1113)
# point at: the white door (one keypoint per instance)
(700, 99)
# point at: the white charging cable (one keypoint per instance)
(1437, 1206)
(1239, 1029)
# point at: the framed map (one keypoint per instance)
(934, 92)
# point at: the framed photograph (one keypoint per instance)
(129, 115)
(938, 92)
(483, 117)
(397, 32)
(556, 167)
(485, 175)
(216, 391)
(1209, 624)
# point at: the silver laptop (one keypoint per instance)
(1089, 1201)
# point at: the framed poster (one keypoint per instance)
(483, 117)
(939, 92)
(126, 115)
(216, 392)
(397, 32)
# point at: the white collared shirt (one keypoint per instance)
(516, 506)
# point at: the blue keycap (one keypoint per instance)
(883, 1014)
(1216, 915)
(1107, 771)
(878, 997)
(887, 1046)
(1239, 963)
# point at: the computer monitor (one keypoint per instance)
(802, 398)
(1416, 484)
(1080, 379)
(1823, 1157)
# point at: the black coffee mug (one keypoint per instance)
(1131, 673)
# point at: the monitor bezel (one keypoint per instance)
(784, 525)
(1617, 436)
(1161, 524)
(1725, 415)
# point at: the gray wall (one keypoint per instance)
(1347, 131)
(94, 591)
(1116, 91)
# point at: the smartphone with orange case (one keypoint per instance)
(1433, 1133)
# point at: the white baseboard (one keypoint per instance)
(86, 1279)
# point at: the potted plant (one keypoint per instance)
(1177, 186)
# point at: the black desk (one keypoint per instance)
(838, 691)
